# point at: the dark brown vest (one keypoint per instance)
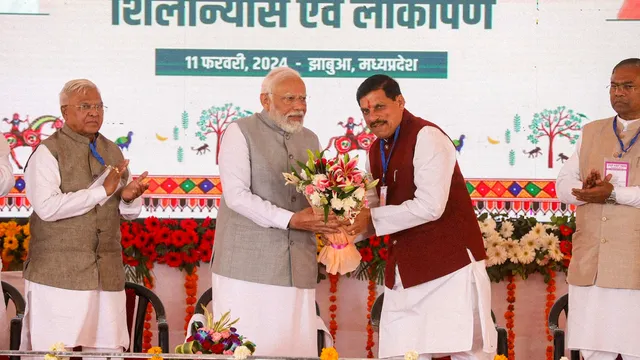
(434, 249)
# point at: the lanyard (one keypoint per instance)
(385, 159)
(94, 152)
(631, 143)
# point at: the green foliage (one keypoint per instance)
(185, 120)
(507, 136)
(180, 154)
(216, 119)
(176, 133)
(517, 123)
(512, 157)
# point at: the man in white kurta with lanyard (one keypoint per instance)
(603, 179)
(74, 275)
(264, 262)
(6, 184)
(437, 299)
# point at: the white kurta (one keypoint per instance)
(447, 315)
(92, 319)
(600, 319)
(7, 182)
(266, 312)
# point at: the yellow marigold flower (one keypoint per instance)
(26, 229)
(11, 229)
(25, 243)
(155, 350)
(500, 357)
(329, 354)
(7, 257)
(11, 243)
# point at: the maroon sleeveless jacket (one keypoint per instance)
(434, 249)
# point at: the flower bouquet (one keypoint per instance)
(218, 337)
(334, 185)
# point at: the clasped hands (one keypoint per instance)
(132, 191)
(595, 189)
(308, 220)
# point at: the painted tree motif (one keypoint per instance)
(215, 120)
(553, 123)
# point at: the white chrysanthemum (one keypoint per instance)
(511, 247)
(337, 204)
(506, 230)
(530, 240)
(359, 193)
(539, 230)
(348, 203)
(411, 355)
(526, 255)
(493, 240)
(496, 256)
(549, 241)
(556, 254)
(487, 225)
(550, 227)
(241, 352)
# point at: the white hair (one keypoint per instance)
(77, 86)
(275, 76)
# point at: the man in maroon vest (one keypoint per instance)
(437, 299)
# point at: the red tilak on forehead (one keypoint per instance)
(368, 103)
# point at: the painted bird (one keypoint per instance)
(124, 141)
(459, 143)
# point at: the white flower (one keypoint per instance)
(411, 355)
(359, 193)
(348, 203)
(506, 230)
(59, 346)
(493, 240)
(556, 254)
(549, 241)
(531, 240)
(526, 255)
(511, 247)
(336, 203)
(241, 352)
(316, 199)
(303, 175)
(564, 358)
(487, 225)
(539, 230)
(290, 179)
(496, 255)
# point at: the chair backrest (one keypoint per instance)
(15, 331)
(562, 304)
(146, 296)
(376, 311)
(12, 293)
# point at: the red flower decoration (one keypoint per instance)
(152, 223)
(566, 247)
(173, 259)
(188, 224)
(565, 230)
(367, 254)
(206, 222)
(383, 254)
(374, 241)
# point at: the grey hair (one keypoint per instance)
(275, 76)
(76, 86)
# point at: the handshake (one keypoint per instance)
(595, 189)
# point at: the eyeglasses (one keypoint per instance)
(289, 99)
(624, 88)
(85, 108)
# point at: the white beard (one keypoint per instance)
(283, 122)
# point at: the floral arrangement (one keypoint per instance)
(218, 337)
(334, 186)
(329, 353)
(515, 246)
(15, 244)
(57, 347)
(182, 244)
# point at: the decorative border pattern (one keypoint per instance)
(202, 193)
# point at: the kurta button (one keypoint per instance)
(603, 240)
(290, 156)
(98, 231)
(291, 242)
(604, 218)
(287, 137)
(293, 199)
(395, 242)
